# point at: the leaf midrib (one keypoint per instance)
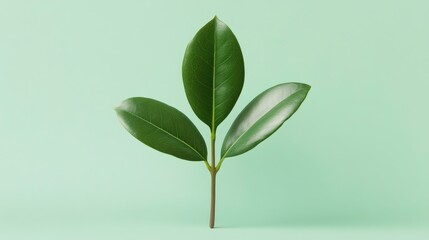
(168, 133)
(213, 130)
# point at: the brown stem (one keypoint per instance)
(213, 183)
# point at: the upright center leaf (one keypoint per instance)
(213, 72)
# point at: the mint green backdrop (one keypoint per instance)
(352, 163)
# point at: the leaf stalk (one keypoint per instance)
(213, 182)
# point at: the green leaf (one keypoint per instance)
(262, 117)
(213, 72)
(162, 127)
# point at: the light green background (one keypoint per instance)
(352, 163)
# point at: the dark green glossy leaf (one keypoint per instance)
(162, 127)
(262, 117)
(213, 72)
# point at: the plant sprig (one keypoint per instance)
(213, 77)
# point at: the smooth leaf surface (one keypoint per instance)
(262, 117)
(213, 72)
(162, 127)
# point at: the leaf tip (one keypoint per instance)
(304, 87)
(118, 107)
(216, 19)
